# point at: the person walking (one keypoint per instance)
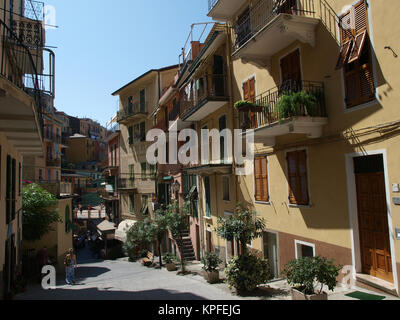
(70, 266)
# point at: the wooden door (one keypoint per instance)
(373, 225)
(291, 71)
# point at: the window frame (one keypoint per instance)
(307, 175)
(267, 201)
(297, 246)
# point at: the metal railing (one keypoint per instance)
(258, 16)
(127, 182)
(17, 66)
(268, 113)
(132, 110)
(206, 87)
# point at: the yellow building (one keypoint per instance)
(138, 102)
(20, 127)
(325, 178)
(59, 240)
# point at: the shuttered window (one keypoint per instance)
(249, 94)
(261, 179)
(297, 177)
(8, 190)
(355, 56)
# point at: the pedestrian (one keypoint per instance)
(70, 266)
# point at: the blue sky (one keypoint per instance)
(102, 45)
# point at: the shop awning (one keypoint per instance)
(124, 226)
(106, 227)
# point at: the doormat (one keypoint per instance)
(364, 296)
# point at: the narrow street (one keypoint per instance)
(122, 280)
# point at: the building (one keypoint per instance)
(110, 193)
(138, 101)
(325, 174)
(21, 123)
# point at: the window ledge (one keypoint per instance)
(361, 106)
(309, 206)
(263, 203)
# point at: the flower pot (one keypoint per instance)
(171, 267)
(297, 295)
(212, 277)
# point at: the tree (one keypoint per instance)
(160, 228)
(178, 224)
(38, 212)
(136, 239)
(244, 227)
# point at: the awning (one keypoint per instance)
(124, 226)
(106, 227)
(210, 169)
(168, 178)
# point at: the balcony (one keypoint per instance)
(271, 119)
(210, 93)
(223, 10)
(133, 112)
(52, 138)
(175, 119)
(270, 26)
(20, 106)
(128, 184)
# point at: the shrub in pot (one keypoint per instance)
(305, 275)
(247, 272)
(169, 262)
(294, 104)
(211, 263)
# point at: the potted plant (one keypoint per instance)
(244, 106)
(305, 275)
(295, 104)
(211, 263)
(169, 262)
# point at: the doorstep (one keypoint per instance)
(376, 283)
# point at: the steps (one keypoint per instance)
(187, 250)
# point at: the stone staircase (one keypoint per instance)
(187, 251)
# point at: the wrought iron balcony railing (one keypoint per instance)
(206, 88)
(17, 66)
(131, 110)
(260, 15)
(267, 111)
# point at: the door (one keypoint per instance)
(271, 253)
(207, 192)
(373, 218)
(218, 77)
(291, 72)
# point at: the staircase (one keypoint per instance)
(187, 250)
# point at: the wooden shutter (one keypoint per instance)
(8, 190)
(297, 176)
(344, 54)
(261, 179)
(357, 47)
(346, 27)
(252, 90)
(360, 17)
(246, 91)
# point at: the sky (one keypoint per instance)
(102, 45)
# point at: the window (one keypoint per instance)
(207, 195)
(130, 131)
(145, 205)
(225, 188)
(261, 179)
(297, 177)
(68, 223)
(355, 56)
(152, 171)
(130, 105)
(144, 169)
(223, 143)
(143, 100)
(142, 131)
(132, 204)
(249, 118)
(304, 249)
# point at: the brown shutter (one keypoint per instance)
(292, 176)
(246, 91)
(360, 17)
(302, 166)
(344, 53)
(258, 179)
(357, 47)
(264, 174)
(252, 90)
(367, 86)
(345, 27)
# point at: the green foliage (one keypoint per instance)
(136, 239)
(306, 273)
(291, 104)
(38, 212)
(242, 104)
(247, 272)
(244, 227)
(211, 262)
(177, 221)
(169, 258)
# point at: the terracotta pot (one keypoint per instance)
(297, 295)
(171, 267)
(212, 277)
